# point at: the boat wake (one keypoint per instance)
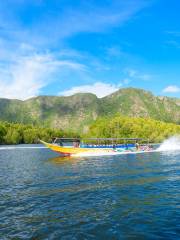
(170, 144)
(17, 147)
(95, 154)
(110, 153)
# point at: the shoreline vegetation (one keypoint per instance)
(133, 127)
(118, 126)
(17, 133)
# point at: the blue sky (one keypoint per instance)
(60, 47)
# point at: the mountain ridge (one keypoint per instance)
(78, 111)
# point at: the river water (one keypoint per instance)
(112, 197)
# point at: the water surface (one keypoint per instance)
(112, 197)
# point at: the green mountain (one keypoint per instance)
(140, 103)
(77, 112)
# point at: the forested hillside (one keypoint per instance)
(79, 111)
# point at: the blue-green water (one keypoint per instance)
(112, 197)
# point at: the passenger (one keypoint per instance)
(76, 144)
(147, 148)
(137, 146)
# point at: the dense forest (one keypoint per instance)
(118, 126)
(16, 133)
(126, 127)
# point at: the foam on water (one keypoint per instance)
(170, 144)
(88, 154)
(17, 147)
(109, 153)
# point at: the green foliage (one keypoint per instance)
(2, 133)
(15, 133)
(126, 127)
(12, 136)
(118, 126)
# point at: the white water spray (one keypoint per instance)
(170, 144)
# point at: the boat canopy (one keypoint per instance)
(89, 140)
(67, 139)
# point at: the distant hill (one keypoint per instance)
(77, 112)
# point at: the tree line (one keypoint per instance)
(117, 127)
(17, 133)
(127, 127)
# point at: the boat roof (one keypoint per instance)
(110, 139)
(67, 139)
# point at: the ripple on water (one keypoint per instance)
(111, 197)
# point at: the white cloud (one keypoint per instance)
(115, 52)
(145, 77)
(26, 66)
(59, 23)
(70, 64)
(25, 77)
(171, 89)
(132, 73)
(100, 89)
(126, 81)
(88, 17)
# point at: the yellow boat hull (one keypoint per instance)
(68, 151)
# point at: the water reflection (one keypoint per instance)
(65, 160)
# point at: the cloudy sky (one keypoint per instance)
(60, 47)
